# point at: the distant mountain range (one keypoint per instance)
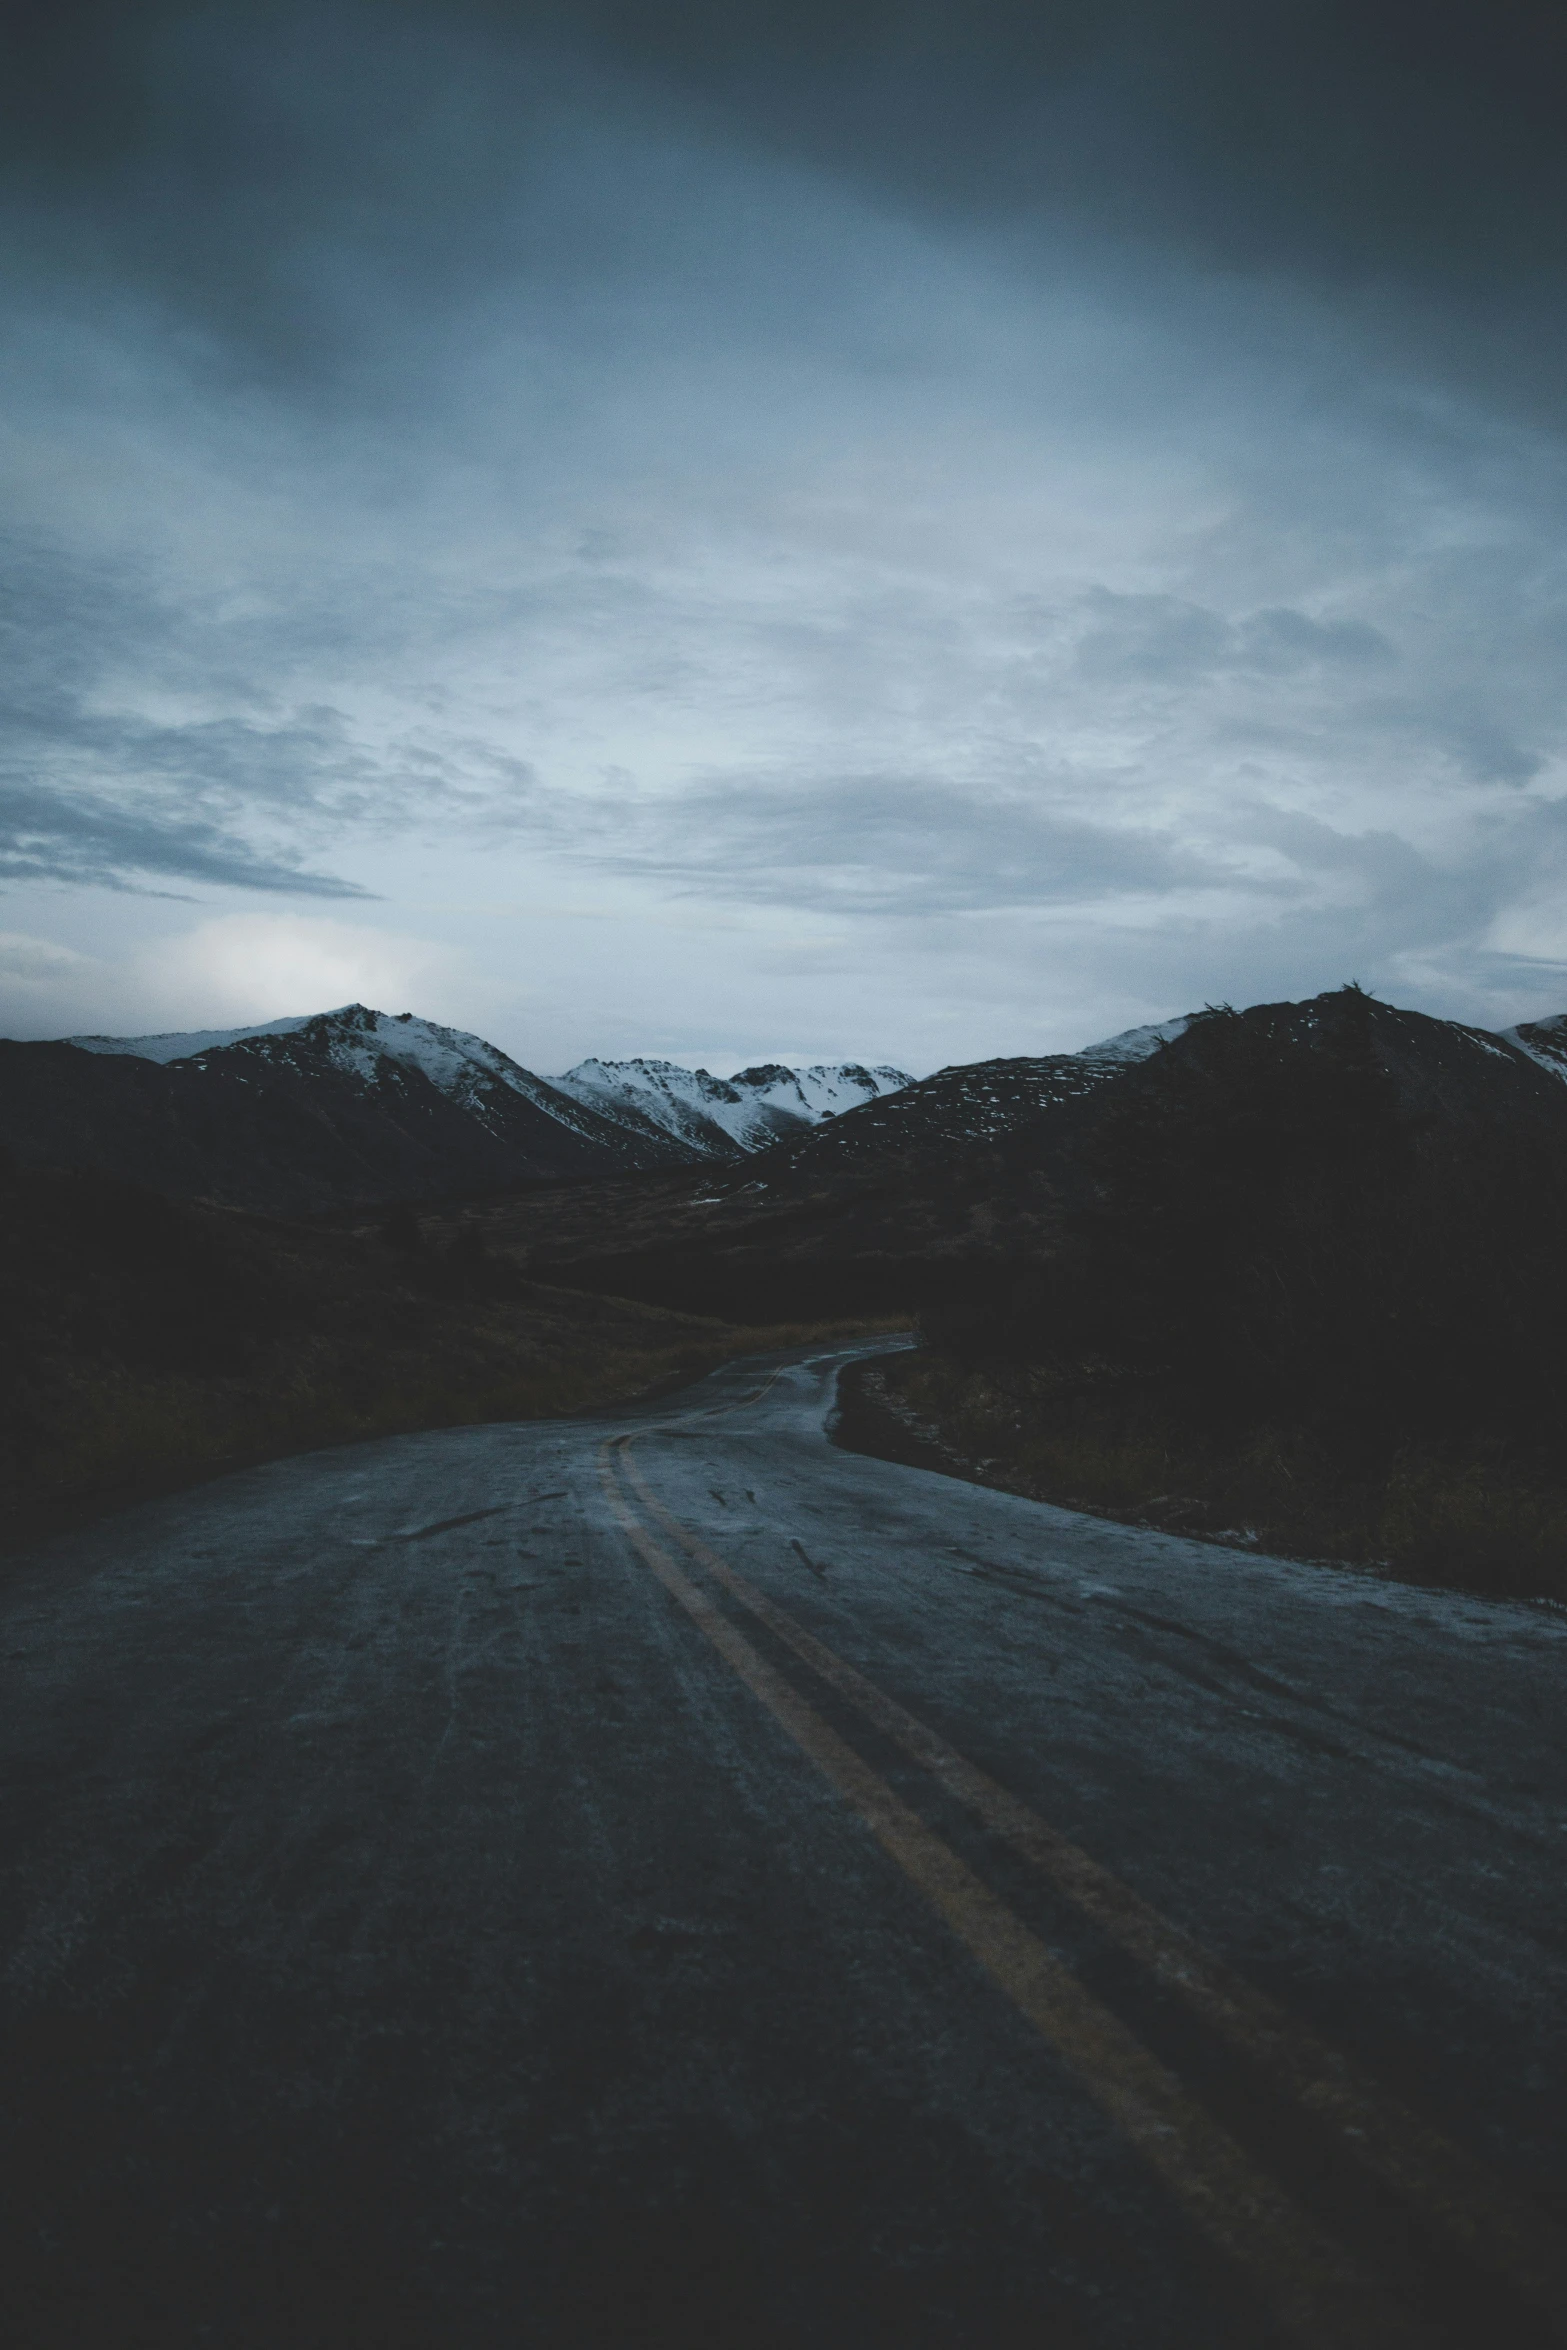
(915, 1197)
(356, 1106)
(731, 1117)
(965, 1107)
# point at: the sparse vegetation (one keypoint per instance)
(145, 1342)
(1287, 1306)
(1262, 1288)
(1487, 1518)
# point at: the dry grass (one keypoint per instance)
(1481, 1520)
(116, 1427)
(145, 1345)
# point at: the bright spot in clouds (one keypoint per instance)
(239, 967)
(265, 966)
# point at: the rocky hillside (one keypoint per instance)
(954, 1112)
(965, 1176)
(1545, 1042)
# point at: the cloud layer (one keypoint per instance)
(969, 528)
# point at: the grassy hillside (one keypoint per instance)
(146, 1342)
(1485, 1515)
(1296, 1296)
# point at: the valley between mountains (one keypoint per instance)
(808, 1711)
(1284, 1276)
(355, 1105)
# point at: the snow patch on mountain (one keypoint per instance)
(1136, 1044)
(466, 1068)
(184, 1044)
(825, 1090)
(454, 1061)
(1545, 1041)
(374, 1049)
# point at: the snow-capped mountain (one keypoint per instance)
(356, 1105)
(1545, 1041)
(294, 1117)
(465, 1068)
(353, 1106)
(715, 1116)
(729, 1117)
(361, 1043)
(925, 1196)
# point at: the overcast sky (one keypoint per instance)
(905, 532)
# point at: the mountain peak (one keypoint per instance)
(728, 1117)
(1136, 1044)
(1545, 1041)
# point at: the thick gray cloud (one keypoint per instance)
(1397, 155)
(1020, 518)
(93, 794)
(888, 845)
(1135, 637)
(64, 836)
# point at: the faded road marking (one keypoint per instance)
(1323, 2297)
(1456, 2196)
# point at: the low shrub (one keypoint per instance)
(1485, 1517)
(146, 1342)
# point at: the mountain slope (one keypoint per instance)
(1545, 1042)
(146, 1341)
(349, 1106)
(1138, 1044)
(909, 1183)
(968, 1175)
(968, 1106)
(730, 1117)
(948, 1115)
(178, 1044)
(471, 1073)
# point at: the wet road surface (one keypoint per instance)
(668, 1880)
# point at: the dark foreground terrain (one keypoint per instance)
(146, 1342)
(662, 1879)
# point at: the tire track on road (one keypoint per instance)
(1323, 2297)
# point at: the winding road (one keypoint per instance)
(664, 1879)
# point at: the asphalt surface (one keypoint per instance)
(670, 1880)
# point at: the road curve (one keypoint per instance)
(665, 1879)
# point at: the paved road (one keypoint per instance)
(668, 1880)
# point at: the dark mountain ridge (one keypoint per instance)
(951, 1114)
(943, 1191)
(1441, 1068)
(304, 1122)
(974, 1163)
(355, 1106)
(1305, 1290)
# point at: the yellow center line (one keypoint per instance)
(1452, 2192)
(1324, 2299)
